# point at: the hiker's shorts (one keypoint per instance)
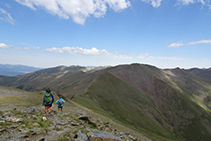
(49, 105)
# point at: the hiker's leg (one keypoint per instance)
(49, 110)
(62, 108)
(58, 108)
(46, 109)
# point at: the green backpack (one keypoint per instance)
(48, 98)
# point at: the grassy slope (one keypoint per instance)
(193, 116)
(10, 95)
(126, 104)
(173, 101)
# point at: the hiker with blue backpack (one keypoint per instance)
(48, 100)
(60, 103)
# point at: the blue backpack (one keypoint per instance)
(60, 102)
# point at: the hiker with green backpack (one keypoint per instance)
(48, 100)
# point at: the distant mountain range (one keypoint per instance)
(12, 70)
(162, 104)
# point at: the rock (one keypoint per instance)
(42, 139)
(21, 130)
(58, 128)
(7, 114)
(33, 134)
(12, 119)
(36, 124)
(122, 133)
(34, 117)
(89, 119)
(2, 121)
(106, 124)
(13, 126)
(105, 135)
(99, 120)
(86, 118)
(101, 139)
(74, 124)
(44, 118)
(3, 130)
(60, 123)
(24, 136)
(31, 109)
(81, 136)
(131, 137)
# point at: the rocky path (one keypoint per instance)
(34, 125)
(22, 118)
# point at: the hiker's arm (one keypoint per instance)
(52, 98)
(43, 100)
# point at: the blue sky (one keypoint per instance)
(162, 33)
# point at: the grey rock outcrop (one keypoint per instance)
(29, 125)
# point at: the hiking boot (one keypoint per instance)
(50, 114)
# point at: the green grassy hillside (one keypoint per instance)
(174, 113)
(127, 104)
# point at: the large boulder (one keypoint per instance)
(101, 135)
(31, 109)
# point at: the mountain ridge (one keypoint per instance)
(181, 99)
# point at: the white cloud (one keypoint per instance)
(141, 56)
(118, 5)
(166, 58)
(17, 48)
(36, 48)
(79, 10)
(154, 3)
(175, 45)
(78, 51)
(147, 56)
(178, 44)
(5, 16)
(7, 5)
(26, 48)
(4, 46)
(93, 51)
(21, 48)
(187, 2)
(200, 42)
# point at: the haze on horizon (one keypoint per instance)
(162, 33)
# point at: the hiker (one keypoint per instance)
(60, 103)
(48, 100)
